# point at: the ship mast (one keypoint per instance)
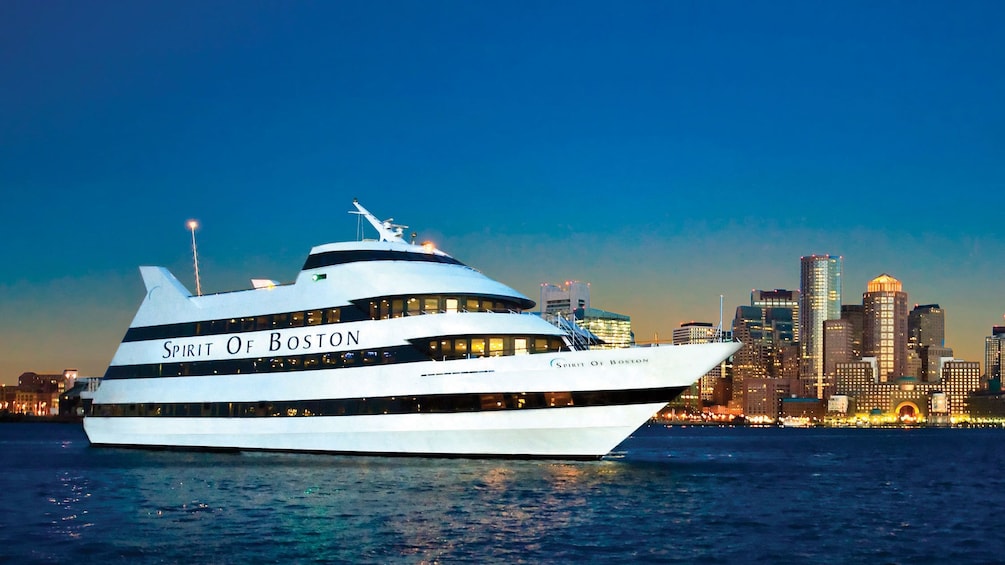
(387, 230)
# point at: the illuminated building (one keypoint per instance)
(773, 305)
(837, 348)
(932, 359)
(564, 299)
(926, 325)
(854, 315)
(820, 300)
(959, 380)
(762, 397)
(700, 332)
(994, 350)
(884, 330)
(926, 340)
(905, 398)
(614, 329)
(751, 361)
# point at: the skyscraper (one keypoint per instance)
(854, 314)
(837, 345)
(926, 325)
(884, 329)
(820, 299)
(994, 356)
(773, 303)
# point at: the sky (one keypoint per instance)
(665, 152)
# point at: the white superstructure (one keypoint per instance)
(380, 347)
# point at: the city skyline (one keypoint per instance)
(667, 154)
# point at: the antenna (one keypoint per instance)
(192, 224)
(720, 317)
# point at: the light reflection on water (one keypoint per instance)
(677, 495)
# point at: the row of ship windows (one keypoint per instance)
(377, 308)
(446, 348)
(431, 404)
(496, 346)
(438, 404)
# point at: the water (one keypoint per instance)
(669, 495)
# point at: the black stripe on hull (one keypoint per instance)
(430, 455)
(390, 405)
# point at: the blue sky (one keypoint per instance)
(666, 152)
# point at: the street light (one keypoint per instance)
(192, 224)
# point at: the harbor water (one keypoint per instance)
(666, 495)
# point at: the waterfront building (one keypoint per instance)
(932, 360)
(960, 379)
(36, 394)
(906, 399)
(852, 377)
(994, 350)
(820, 300)
(884, 334)
(614, 329)
(762, 397)
(563, 299)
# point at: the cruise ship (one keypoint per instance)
(379, 347)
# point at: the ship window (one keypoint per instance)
(277, 364)
(471, 304)
(478, 347)
(397, 309)
(540, 345)
(333, 315)
(296, 319)
(461, 347)
(385, 309)
(370, 357)
(431, 305)
(446, 346)
(520, 346)
(311, 361)
(413, 306)
(451, 305)
(329, 359)
(247, 324)
(495, 346)
(233, 325)
(263, 323)
(348, 358)
(492, 402)
(280, 320)
(558, 398)
(313, 317)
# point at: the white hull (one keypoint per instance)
(561, 432)
(588, 432)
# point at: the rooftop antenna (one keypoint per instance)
(192, 224)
